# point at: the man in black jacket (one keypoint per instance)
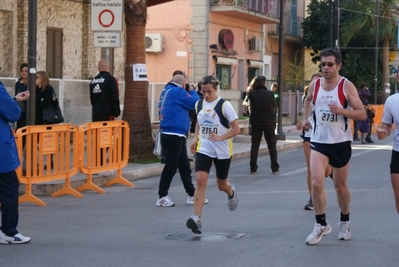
(263, 120)
(104, 94)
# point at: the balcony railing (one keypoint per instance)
(260, 11)
(292, 30)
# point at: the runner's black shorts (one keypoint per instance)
(338, 153)
(204, 163)
(395, 162)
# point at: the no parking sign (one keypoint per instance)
(106, 15)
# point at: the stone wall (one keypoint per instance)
(8, 26)
(80, 57)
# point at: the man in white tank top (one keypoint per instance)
(335, 102)
(389, 118)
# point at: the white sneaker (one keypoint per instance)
(233, 201)
(194, 223)
(16, 239)
(164, 202)
(318, 232)
(2, 241)
(344, 231)
(190, 200)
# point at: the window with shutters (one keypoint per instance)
(54, 52)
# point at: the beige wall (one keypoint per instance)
(172, 21)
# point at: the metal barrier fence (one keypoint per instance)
(51, 153)
(58, 152)
(97, 140)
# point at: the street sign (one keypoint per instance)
(140, 72)
(107, 39)
(106, 15)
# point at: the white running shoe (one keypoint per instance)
(190, 200)
(233, 201)
(194, 223)
(164, 202)
(318, 232)
(16, 239)
(2, 241)
(344, 231)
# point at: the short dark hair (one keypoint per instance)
(260, 81)
(332, 52)
(362, 85)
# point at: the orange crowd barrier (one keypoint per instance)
(104, 146)
(47, 153)
(378, 111)
(377, 121)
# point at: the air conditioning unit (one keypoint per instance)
(153, 42)
(254, 44)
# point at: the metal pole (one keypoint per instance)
(376, 51)
(337, 15)
(330, 35)
(280, 133)
(32, 32)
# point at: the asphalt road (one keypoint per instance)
(124, 227)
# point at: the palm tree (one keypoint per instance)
(361, 23)
(136, 111)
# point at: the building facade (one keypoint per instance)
(234, 40)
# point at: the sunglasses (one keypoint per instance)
(329, 64)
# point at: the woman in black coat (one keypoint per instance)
(44, 95)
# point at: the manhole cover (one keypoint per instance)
(212, 237)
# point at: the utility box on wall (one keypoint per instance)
(153, 42)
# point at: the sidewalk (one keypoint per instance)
(133, 171)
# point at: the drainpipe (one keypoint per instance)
(262, 48)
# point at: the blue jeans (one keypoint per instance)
(270, 136)
(9, 185)
(174, 151)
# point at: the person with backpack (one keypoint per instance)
(216, 125)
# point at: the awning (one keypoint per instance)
(156, 2)
(255, 63)
(225, 60)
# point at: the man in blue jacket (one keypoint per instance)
(9, 161)
(174, 106)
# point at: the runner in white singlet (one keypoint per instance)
(330, 128)
(335, 101)
(216, 125)
(209, 122)
(389, 118)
